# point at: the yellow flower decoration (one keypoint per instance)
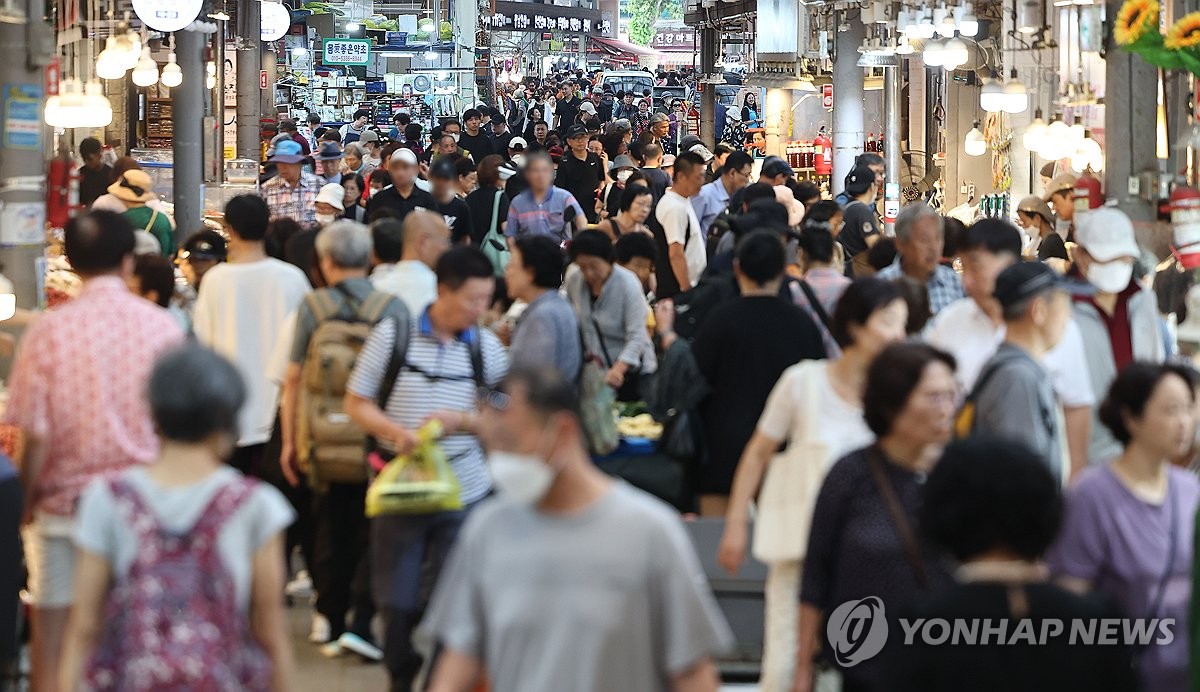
(1134, 20)
(1185, 33)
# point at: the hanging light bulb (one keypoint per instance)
(1087, 154)
(968, 23)
(146, 71)
(904, 48)
(1056, 140)
(503, 76)
(171, 76)
(908, 22)
(991, 96)
(1016, 97)
(1076, 133)
(925, 26)
(1032, 138)
(974, 144)
(954, 54)
(63, 110)
(97, 110)
(109, 64)
(934, 54)
(1030, 16)
(128, 49)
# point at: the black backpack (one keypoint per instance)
(713, 289)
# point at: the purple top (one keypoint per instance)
(1119, 544)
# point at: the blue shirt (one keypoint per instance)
(944, 285)
(554, 216)
(712, 199)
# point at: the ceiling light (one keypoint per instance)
(974, 144)
(1032, 138)
(968, 23)
(146, 71)
(1030, 16)
(925, 26)
(905, 48)
(128, 49)
(933, 54)
(1088, 154)
(1056, 140)
(110, 64)
(991, 96)
(171, 75)
(1016, 97)
(954, 54)
(210, 78)
(97, 108)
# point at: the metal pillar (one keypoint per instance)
(709, 38)
(25, 49)
(848, 80)
(248, 66)
(891, 146)
(188, 133)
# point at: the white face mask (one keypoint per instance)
(1110, 277)
(372, 193)
(623, 176)
(455, 136)
(523, 478)
(325, 218)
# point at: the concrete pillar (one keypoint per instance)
(248, 65)
(188, 132)
(267, 58)
(708, 38)
(847, 103)
(777, 110)
(891, 146)
(1130, 109)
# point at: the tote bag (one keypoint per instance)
(789, 490)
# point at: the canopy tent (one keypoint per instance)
(615, 50)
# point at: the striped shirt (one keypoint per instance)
(550, 217)
(437, 377)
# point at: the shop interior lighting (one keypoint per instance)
(96, 104)
(128, 49)
(943, 21)
(954, 54)
(109, 64)
(220, 16)
(1077, 131)
(171, 76)
(933, 54)
(76, 106)
(909, 22)
(1016, 96)
(964, 17)
(1031, 16)
(991, 96)
(146, 71)
(8, 299)
(1056, 141)
(974, 144)
(925, 26)
(904, 47)
(1088, 154)
(1032, 138)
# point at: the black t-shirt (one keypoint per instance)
(480, 202)
(93, 184)
(659, 182)
(604, 111)
(500, 143)
(741, 348)
(390, 198)
(478, 145)
(458, 218)
(860, 223)
(581, 178)
(1052, 246)
(566, 111)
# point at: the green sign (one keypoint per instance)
(346, 51)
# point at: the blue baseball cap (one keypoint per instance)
(287, 152)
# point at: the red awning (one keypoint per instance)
(615, 47)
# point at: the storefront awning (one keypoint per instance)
(620, 51)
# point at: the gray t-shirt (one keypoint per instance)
(103, 531)
(612, 598)
(548, 332)
(1017, 402)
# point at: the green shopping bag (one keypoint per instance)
(422, 482)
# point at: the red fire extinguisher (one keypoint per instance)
(1087, 194)
(62, 190)
(822, 153)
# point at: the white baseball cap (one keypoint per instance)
(404, 155)
(332, 194)
(1106, 233)
(517, 144)
(588, 108)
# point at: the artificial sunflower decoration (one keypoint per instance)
(1135, 21)
(1185, 33)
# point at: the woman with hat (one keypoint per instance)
(330, 203)
(133, 190)
(622, 167)
(735, 129)
(1034, 216)
(328, 158)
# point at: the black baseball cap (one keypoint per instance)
(206, 245)
(444, 168)
(859, 180)
(576, 131)
(1026, 280)
(774, 166)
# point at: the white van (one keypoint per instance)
(628, 80)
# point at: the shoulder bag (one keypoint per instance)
(911, 548)
(494, 244)
(789, 490)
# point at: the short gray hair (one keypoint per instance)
(193, 393)
(353, 149)
(346, 243)
(913, 213)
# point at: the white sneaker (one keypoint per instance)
(356, 644)
(300, 587)
(320, 630)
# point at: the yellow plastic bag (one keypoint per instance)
(421, 483)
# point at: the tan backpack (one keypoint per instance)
(329, 446)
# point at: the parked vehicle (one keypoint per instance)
(628, 80)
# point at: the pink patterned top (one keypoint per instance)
(79, 383)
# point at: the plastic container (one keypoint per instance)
(241, 172)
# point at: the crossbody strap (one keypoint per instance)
(495, 213)
(876, 462)
(153, 218)
(816, 304)
(1173, 536)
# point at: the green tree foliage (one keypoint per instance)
(644, 13)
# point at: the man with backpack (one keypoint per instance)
(411, 371)
(318, 437)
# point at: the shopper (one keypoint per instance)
(352, 206)
(353, 162)
(657, 179)
(239, 312)
(816, 409)
(202, 251)
(465, 178)
(442, 175)
(403, 196)
(94, 175)
(641, 119)
(1034, 216)
(329, 204)
(341, 529)
(612, 311)
(581, 537)
(860, 229)
(547, 332)
(448, 359)
(329, 163)
(500, 135)
(626, 110)
(1129, 526)
(371, 152)
(636, 252)
(182, 546)
(919, 239)
(488, 203)
(713, 198)
(681, 244)
(1060, 194)
(352, 131)
(636, 204)
(544, 209)
(970, 329)
(824, 282)
(582, 172)
(133, 189)
(863, 541)
(90, 355)
(741, 349)
(424, 238)
(292, 193)
(993, 505)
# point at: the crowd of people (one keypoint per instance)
(806, 365)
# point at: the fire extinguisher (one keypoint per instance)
(822, 153)
(1185, 225)
(62, 190)
(1087, 193)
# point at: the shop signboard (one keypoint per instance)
(346, 51)
(167, 15)
(23, 116)
(397, 38)
(525, 16)
(674, 40)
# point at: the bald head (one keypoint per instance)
(426, 237)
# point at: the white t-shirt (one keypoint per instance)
(677, 216)
(239, 313)
(964, 331)
(840, 422)
(411, 280)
